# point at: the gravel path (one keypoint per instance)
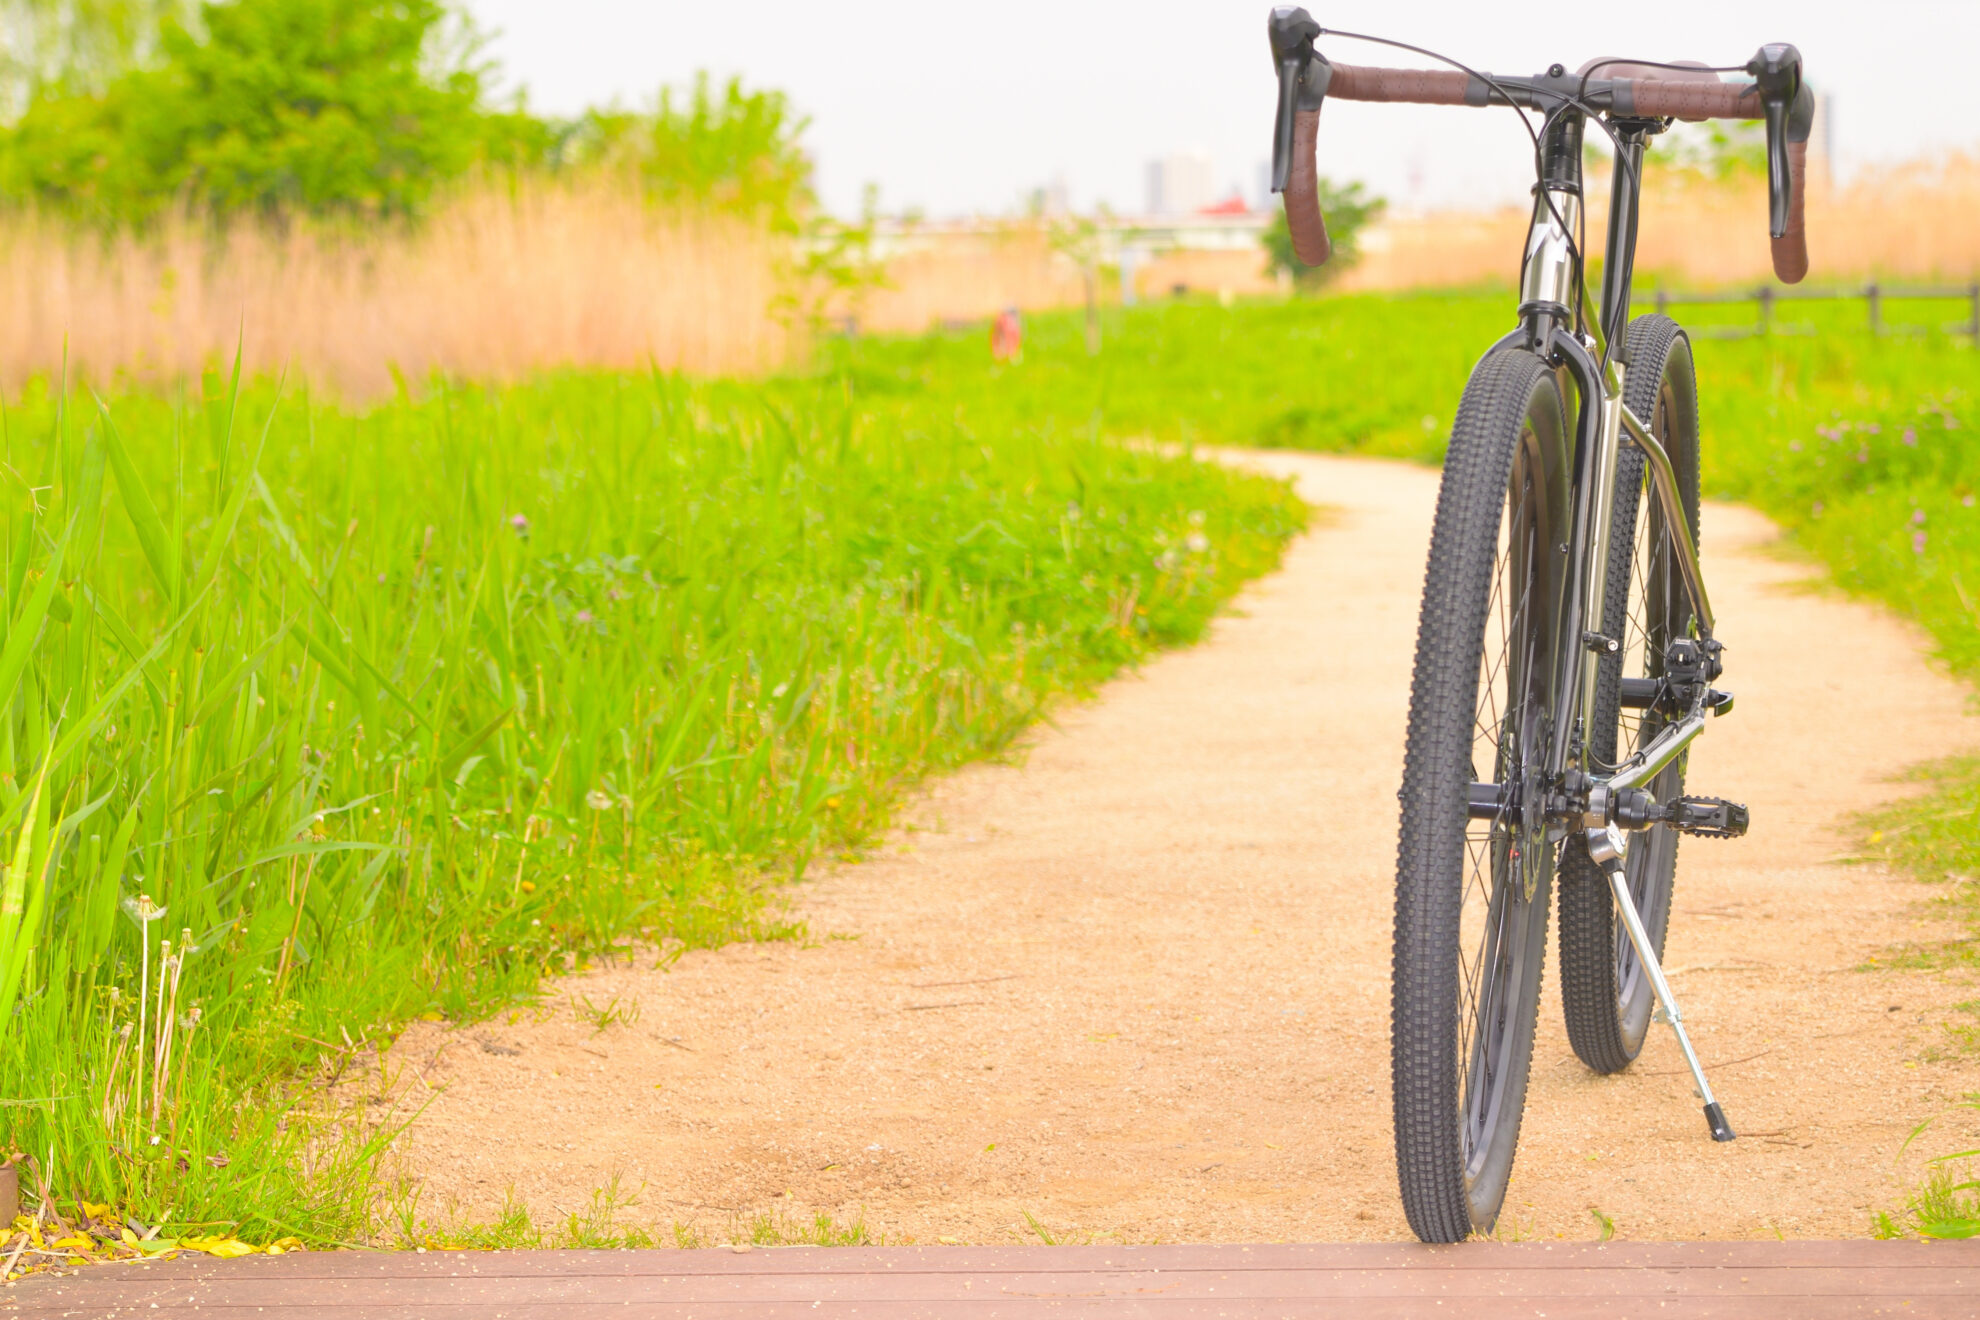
(1137, 986)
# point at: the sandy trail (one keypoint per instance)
(1138, 986)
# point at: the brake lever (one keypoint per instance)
(1776, 71)
(1303, 78)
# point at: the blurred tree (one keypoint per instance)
(76, 45)
(271, 106)
(736, 150)
(1348, 208)
(1717, 150)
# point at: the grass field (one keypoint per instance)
(318, 721)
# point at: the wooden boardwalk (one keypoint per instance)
(1481, 1281)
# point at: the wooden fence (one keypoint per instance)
(1767, 297)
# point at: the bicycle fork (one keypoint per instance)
(1606, 847)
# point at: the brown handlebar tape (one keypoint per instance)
(1653, 98)
(1658, 98)
(1309, 228)
(1791, 248)
(1426, 86)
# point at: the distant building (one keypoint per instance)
(1053, 199)
(1182, 184)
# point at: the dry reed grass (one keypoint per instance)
(970, 275)
(498, 283)
(503, 281)
(1912, 222)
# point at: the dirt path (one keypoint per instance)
(1139, 985)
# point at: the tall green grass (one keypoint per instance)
(318, 720)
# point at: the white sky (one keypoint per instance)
(960, 108)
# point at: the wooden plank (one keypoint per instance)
(1476, 1280)
(1082, 1309)
(1338, 1256)
(1043, 1278)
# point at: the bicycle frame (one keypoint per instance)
(1551, 284)
(1552, 287)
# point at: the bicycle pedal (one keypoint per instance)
(1706, 817)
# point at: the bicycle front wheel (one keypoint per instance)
(1472, 895)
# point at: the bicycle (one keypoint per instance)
(1565, 656)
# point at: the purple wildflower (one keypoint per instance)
(521, 523)
(1918, 543)
(584, 616)
(1918, 517)
(1911, 437)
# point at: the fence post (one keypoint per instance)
(1765, 296)
(1875, 297)
(1973, 324)
(1664, 302)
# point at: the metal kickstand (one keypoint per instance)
(1606, 847)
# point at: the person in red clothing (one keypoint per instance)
(1007, 336)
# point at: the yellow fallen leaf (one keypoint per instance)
(225, 1248)
(285, 1244)
(431, 1016)
(74, 1242)
(95, 1211)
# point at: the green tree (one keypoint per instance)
(76, 45)
(1348, 209)
(268, 106)
(735, 150)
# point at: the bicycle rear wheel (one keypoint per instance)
(1472, 896)
(1604, 994)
